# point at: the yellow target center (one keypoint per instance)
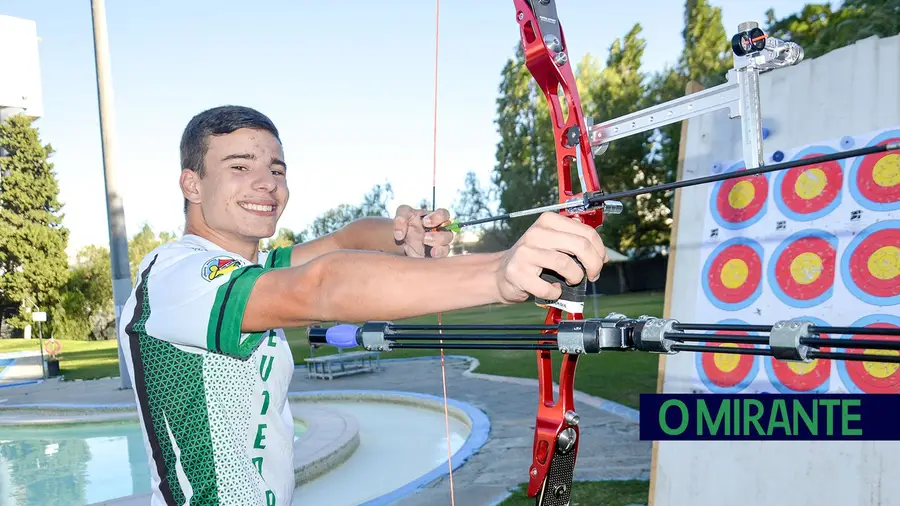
(879, 370)
(884, 264)
(886, 172)
(741, 194)
(806, 268)
(811, 183)
(734, 273)
(802, 368)
(727, 362)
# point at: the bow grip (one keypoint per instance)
(572, 298)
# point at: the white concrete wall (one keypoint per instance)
(851, 91)
(20, 68)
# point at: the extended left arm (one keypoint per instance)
(403, 235)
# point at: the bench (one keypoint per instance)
(341, 363)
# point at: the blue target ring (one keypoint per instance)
(727, 382)
(865, 163)
(831, 190)
(825, 284)
(823, 366)
(853, 373)
(744, 295)
(757, 207)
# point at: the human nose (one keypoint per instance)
(265, 181)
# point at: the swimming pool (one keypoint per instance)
(399, 443)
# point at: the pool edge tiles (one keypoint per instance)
(474, 418)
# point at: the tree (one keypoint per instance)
(818, 29)
(33, 261)
(85, 309)
(374, 204)
(525, 172)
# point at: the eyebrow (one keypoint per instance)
(251, 156)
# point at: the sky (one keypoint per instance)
(349, 84)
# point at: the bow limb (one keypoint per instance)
(556, 433)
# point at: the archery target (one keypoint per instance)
(802, 268)
(733, 274)
(812, 191)
(875, 179)
(870, 267)
(870, 377)
(724, 373)
(740, 202)
(800, 377)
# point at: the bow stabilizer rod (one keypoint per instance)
(786, 340)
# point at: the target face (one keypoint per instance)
(732, 275)
(727, 372)
(812, 191)
(802, 268)
(875, 179)
(871, 377)
(740, 202)
(870, 266)
(801, 377)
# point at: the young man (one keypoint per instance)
(202, 329)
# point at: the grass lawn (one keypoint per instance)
(593, 493)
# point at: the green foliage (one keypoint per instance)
(819, 29)
(374, 204)
(85, 310)
(33, 262)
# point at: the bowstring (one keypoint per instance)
(437, 18)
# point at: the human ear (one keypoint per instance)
(189, 185)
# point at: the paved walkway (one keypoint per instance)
(609, 447)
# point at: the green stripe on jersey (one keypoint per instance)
(223, 333)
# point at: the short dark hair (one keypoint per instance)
(217, 121)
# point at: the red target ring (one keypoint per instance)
(802, 376)
(740, 199)
(804, 268)
(873, 263)
(728, 370)
(735, 273)
(878, 176)
(811, 188)
(872, 377)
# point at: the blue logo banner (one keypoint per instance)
(696, 417)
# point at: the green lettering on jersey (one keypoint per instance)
(270, 342)
(270, 498)
(265, 406)
(265, 366)
(260, 437)
(258, 461)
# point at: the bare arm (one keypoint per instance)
(355, 286)
(371, 233)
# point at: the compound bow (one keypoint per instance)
(564, 329)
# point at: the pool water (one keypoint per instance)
(73, 466)
(82, 465)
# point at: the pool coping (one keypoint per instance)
(330, 439)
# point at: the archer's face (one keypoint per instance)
(244, 190)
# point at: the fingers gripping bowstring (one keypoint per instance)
(437, 24)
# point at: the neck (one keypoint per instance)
(248, 249)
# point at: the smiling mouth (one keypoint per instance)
(259, 208)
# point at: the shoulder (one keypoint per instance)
(191, 259)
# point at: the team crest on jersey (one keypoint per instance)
(218, 266)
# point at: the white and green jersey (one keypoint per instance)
(212, 400)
